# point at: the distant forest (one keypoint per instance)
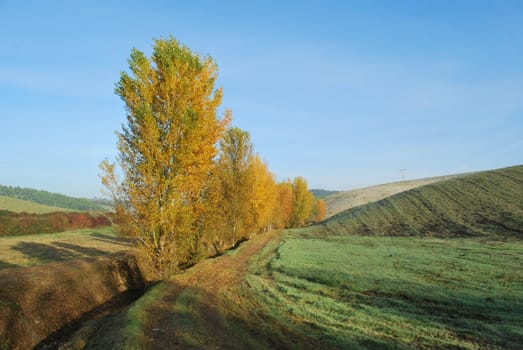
(51, 199)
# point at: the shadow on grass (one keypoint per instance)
(6, 265)
(84, 251)
(58, 251)
(111, 239)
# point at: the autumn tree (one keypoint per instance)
(319, 210)
(166, 149)
(233, 170)
(262, 196)
(302, 202)
(282, 211)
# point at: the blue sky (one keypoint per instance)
(343, 93)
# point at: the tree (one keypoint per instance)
(282, 212)
(166, 149)
(236, 154)
(319, 210)
(263, 196)
(302, 202)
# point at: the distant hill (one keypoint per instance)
(485, 203)
(49, 199)
(340, 201)
(321, 194)
(20, 206)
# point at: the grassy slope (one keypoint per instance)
(341, 201)
(486, 203)
(21, 206)
(354, 291)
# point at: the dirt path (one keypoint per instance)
(195, 309)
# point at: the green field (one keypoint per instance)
(439, 266)
(22, 206)
(393, 292)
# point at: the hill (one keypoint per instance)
(486, 203)
(321, 194)
(49, 198)
(21, 206)
(340, 201)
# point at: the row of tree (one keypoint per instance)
(190, 184)
(247, 198)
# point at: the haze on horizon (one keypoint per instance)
(345, 94)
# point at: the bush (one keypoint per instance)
(26, 224)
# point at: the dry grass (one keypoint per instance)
(30, 250)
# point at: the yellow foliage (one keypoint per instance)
(166, 149)
(302, 203)
(282, 212)
(263, 198)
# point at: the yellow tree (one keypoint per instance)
(302, 202)
(282, 213)
(233, 169)
(263, 195)
(166, 149)
(321, 210)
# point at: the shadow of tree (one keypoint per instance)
(56, 251)
(44, 253)
(84, 251)
(111, 239)
(6, 265)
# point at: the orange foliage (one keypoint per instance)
(321, 210)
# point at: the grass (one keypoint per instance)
(394, 292)
(439, 266)
(340, 201)
(21, 206)
(30, 250)
(488, 203)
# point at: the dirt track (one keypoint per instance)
(204, 307)
(199, 297)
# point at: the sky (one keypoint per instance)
(343, 93)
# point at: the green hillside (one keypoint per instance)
(486, 203)
(340, 201)
(20, 206)
(49, 198)
(454, 280)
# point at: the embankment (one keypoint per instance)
(37, 302)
